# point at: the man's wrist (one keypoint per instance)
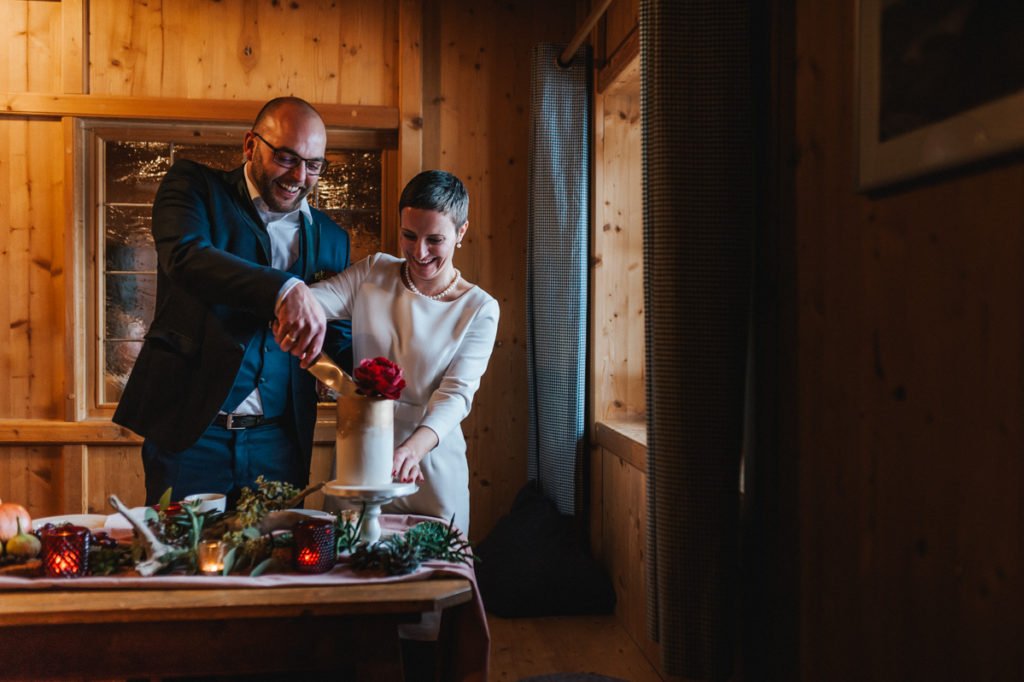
(284, 290)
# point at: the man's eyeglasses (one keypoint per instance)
(288, 159)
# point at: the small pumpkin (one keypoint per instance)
(24, 545)
(10, 516)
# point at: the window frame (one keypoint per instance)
(86, 320)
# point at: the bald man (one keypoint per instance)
(216, 399)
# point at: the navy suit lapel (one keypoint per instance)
(251, 217)
(310, 247)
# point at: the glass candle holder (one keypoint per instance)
(210, 557)
(314, 545)
(65, 551)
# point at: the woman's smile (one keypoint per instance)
(428, 241)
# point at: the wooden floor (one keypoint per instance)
(522, 647)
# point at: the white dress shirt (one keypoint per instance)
(284, 230)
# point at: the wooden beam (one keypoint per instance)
(355, 116)
(75, 478)
(52, 432)
(75, 178)
(99, 432)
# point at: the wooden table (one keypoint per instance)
(347, 630)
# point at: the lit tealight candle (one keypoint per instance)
(314, 545)
(65, 551)
(211, 557)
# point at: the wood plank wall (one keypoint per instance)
(618, 462)
(476, 95)
(909, 412)
(458, 72)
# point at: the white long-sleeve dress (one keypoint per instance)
(442, 347)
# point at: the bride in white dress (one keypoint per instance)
(420, 313)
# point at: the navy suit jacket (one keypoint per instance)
(215, 290)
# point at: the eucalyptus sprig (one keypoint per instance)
(403, 553)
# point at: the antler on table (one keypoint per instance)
(158, 554)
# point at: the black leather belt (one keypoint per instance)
(237, 422)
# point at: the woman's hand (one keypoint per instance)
(406, 467)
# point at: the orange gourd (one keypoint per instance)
(10, 514)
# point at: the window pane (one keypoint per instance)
(134, 170)
(130, 304)
(119, 358)
(351, 181)
(349, 192)
(363, 227)
(215, 156)
(129, 242)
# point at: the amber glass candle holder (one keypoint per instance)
(65, 551)
(314, 545)
(210, 557)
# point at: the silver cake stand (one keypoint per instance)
(373, 497)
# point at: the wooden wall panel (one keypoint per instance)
(616, 40)
(617, 320)
(31, 260)
(908, 349)
(472, 119)
(33, 477)
(624, 544)
(477, 88)
(30, 46)
(113, 469)
(325, 51)
(320, 470)
(620, 21)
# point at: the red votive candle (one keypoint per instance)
(65, 551)
(314, 545)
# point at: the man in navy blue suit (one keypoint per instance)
(217, 400)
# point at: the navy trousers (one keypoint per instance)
(224, 461)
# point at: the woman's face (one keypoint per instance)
(427, 239)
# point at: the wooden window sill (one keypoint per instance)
(624, 437)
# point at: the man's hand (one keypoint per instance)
(300, 325)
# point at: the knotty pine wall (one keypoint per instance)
(456, 73)
(894, 397)
(908, 394)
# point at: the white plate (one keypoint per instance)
(314, 513)
(285, 519)
(116, 520)
(90, 521)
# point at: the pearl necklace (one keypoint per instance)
(407, 276)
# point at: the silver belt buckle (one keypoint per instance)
(229, 423)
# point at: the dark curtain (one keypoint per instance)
(699, 197)
(556, 285)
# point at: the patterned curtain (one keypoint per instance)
(699, 195)
(556, 284)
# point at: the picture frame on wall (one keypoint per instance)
(940, 83)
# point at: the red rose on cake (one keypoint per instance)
(379, 378)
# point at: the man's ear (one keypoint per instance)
(249, 145)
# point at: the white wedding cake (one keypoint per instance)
(365, 441)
